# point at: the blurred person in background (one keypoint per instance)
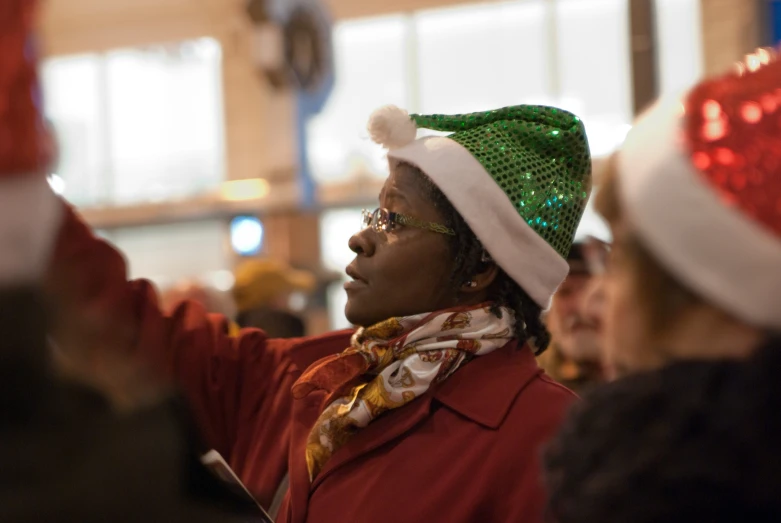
(438, 391)
(262, 293)
(574, 357)
(692, 314)
(692, 202)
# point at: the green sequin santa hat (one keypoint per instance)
(519, 176)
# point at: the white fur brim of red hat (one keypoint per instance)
(716, 250)
(30, 214)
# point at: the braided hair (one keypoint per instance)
(468, 255)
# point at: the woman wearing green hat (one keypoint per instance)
(434, 409)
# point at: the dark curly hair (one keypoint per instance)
(468, 255)
(696, 441)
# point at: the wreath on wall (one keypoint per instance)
(305, 32)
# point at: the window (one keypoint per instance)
(679, 37)
(594, 68)
(482, 57)
(592, 224)
(336, 228)
(371, 70)
(136, 125)
(571, 53)
(71, 86)
(168, 253)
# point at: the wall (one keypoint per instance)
(341, 9)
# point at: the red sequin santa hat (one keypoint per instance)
(700, 183)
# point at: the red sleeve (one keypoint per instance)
(224, 377)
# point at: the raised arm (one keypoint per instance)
(224, 377)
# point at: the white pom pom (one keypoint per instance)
(392, 127)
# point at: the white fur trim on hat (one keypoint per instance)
(717, 251)
(392, 127)
(29, 216)
(516, 247)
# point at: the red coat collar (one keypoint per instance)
(500, 376)
(309, 350)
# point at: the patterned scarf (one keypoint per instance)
(390, 364)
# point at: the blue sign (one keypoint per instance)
(308, 105)
(309, 102)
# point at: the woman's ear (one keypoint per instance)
(482, 280)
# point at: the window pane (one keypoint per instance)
(71, 89)
(165, 114)
(482, 57)
(680, 45)
(371, 67)
(336, 227)
(170, 252)
(592, 224)
(337, 300)
(595, 67)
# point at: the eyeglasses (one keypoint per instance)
(382, 220)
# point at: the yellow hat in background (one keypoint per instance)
(258, 282)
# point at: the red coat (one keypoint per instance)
(468, 450)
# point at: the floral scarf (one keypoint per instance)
(390, 364)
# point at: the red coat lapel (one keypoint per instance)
(485, 389)
(390, 426)
(304, 415)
